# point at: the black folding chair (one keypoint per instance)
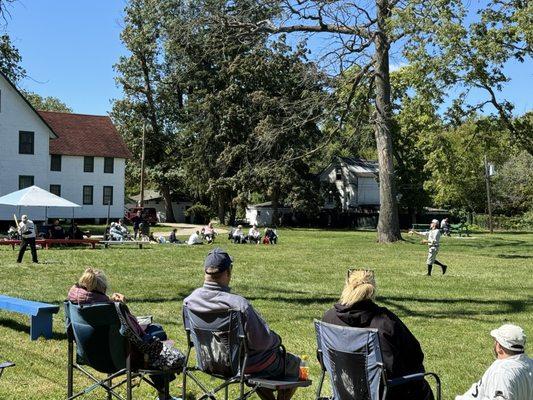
(352, 358)
(5, 364)
(221, 349)
(95, 331)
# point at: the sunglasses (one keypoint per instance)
(352, 270)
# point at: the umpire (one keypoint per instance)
(27, 232)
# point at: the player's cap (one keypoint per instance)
(24, 218)
(217, 261)
(512, 337)
(434, 221)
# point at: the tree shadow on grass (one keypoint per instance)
(17, 326)
(497, 307)
(512, 256)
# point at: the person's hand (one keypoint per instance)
(118, 297)
(410, 232)
(424, 241)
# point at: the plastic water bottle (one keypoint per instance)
(304, 369)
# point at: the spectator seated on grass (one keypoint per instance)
(209, 233)
(56, 231)
(195, 239)
(75, 232)
(270, 237)
(116, 233)
(92, 287)
(254, 236)
(238, 235)
(173, 237)
(264, 345)
(12, 233)
(511, 375)
(402, 354)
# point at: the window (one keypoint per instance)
(338, 173)
(108, 195)
(55, 189)
(55, 162)
(26, 140)
(87, 195)
(108, 165)
(88, 164)
(25, 181)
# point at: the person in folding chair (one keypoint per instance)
(266, 359)
(402, 354)
(92, 287)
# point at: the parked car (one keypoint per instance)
(148, 214)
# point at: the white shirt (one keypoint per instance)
(253, 233)
(443, 224)
(194, 239)
(27, 229)
(433, 236)
(510, 378)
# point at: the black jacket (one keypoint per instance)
(402, 354)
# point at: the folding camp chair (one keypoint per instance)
(352, 357)
(95, 330)
(5, 364)
(221, 349)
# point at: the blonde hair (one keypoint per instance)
(360, 285)
(93, 280)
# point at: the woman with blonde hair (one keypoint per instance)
(92, 288)
(402, 354)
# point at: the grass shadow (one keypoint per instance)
(512, 256)
(17, 326)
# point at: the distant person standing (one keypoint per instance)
(433, 241)
(26, 230)
(137, 220)
(445, 226)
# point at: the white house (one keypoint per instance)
(79, 157)
(356, 183)
(261, 214)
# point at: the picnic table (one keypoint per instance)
(46, 243)
(40, 314)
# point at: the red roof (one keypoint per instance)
(84, 135)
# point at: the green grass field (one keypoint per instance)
(489, 282)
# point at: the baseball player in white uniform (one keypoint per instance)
(433, 241)
(510, 377)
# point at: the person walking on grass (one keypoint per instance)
(510, 377)
(26, 230)
(433, 241)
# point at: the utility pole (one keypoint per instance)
(142, 164)
(489, 202)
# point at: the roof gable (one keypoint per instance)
(85, 135)
(52, 134)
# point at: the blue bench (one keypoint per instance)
(40, 313)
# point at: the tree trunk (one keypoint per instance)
(221, 208)
(169, 211)
(388, 223)
(275, 207)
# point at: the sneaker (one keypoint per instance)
(444, 268)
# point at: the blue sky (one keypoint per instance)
(68, 49)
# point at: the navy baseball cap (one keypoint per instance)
(217, 259)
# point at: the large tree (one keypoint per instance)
(48, 103)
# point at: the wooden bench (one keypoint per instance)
(40, 314)
(47, 243)
(138, 243)
(460, 229)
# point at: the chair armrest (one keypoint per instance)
(6, 364)
(406, 379)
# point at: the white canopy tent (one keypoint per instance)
(34, 196)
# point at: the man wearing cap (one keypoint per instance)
(510, 377)
(265, 358)
(433, 241)
(26, 230)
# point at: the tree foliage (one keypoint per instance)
(48, 103)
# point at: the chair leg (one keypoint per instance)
(110, 384)
(320, 383)
(128, 378)
(70, 382)
(226, 393)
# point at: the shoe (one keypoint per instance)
(428, 274)
(444, 268)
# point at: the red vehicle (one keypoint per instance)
(148, 214)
